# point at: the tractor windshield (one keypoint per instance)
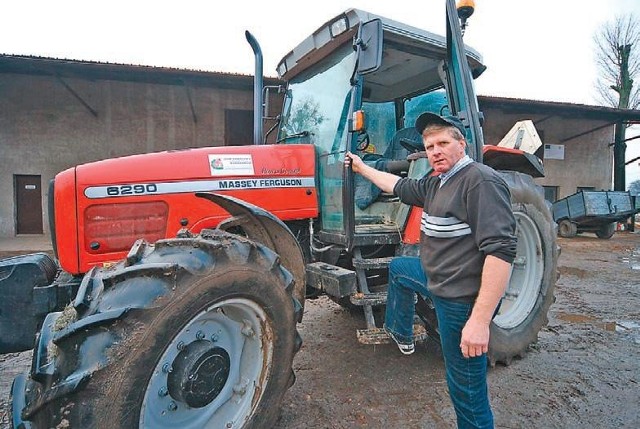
(316, 110)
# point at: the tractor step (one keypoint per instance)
(373, 299)
(379, 336)
(372, 263)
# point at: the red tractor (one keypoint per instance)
(180, 276)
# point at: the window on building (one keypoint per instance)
(550, 193)
(238, 127)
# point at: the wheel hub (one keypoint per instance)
(200, 372)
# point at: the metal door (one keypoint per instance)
(28, 192)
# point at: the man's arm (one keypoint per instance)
(383, 180)
(475, 334)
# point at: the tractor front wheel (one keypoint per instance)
(206, 340)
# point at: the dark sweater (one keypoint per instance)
(466, 219)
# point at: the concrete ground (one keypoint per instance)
(40, 242)
(583, 372)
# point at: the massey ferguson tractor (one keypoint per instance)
(179, 277)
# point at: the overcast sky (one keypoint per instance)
(534, 49)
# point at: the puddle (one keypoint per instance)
(627, 325)
(633, 260)
(606, 325)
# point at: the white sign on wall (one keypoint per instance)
(553, 151)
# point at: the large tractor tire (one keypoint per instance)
(187, 333)
(524, 307)
(530, 293)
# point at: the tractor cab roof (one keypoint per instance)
(410, 55)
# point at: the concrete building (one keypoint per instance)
(577, 140)
(55, 114)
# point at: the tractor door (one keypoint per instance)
(316, 111)
(459, 77)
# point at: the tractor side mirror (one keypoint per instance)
(368, 43)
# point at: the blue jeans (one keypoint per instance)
(466, 377)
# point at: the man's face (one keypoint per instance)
(443, 150)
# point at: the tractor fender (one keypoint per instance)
(505, 158)
(265, 228)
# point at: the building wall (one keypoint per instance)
(588, 158)
(45, 129)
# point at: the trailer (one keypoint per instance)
(592, 211)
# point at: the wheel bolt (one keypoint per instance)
(199, 335)
(166, 368)
(172, 406)
(229, 425)
(240, 389)
(180, 345)
(163, 392)
(215, 338)
(247, 331)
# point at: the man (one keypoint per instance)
(467, 247)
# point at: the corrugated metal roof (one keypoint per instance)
(71, 68)
(516, 105)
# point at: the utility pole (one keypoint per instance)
(619, 149)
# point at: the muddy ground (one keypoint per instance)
(584, 372)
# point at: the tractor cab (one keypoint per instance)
(358, 84)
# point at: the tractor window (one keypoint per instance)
(434, 102)
(380, 124)
(317, 104)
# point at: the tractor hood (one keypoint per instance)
(102, 208)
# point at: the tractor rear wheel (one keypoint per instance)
(530, 293)
(208, 343)
(524, 307)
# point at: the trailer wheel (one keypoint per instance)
(207, 343)
(567, 229)
(524, 307)
(606, 231)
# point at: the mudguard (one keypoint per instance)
(263, 227)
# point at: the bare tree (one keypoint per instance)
(618, 59)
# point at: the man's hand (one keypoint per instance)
(475, 334)
(383, 180)
(355, 161)
(475, 338)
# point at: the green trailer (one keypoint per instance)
(592, 211)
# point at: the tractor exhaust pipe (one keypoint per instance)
(257, 89)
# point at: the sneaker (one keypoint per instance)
(405, 348)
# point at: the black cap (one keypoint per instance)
(429, 118)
